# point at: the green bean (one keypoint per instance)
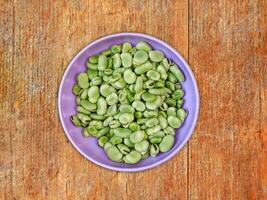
(170, 85)
(131, 88)
(159, 91)
(126, 59)
(166, 143)
(83, 80)
(162, 113)
(138, 84)
(174, 122)
(126, 109)
(148, 97)
(106, 89)
(138, 95)
(96, 81)
(133, 126)
(123, 149)
(171, 77)
(157, 134)
(144, 156)
(153, 75)
(101, 106)
(126, 47)
(116, 60)
(78, 100)
(83, 110)
(114, 124)
(75, 120)
(102, 141)
(101, 74)
(92, 73)
(93, 94)
(122, 132)
(138, 115)
(178, 94)
(140, 57)
(112, 110)
(153, 105)
(129, 76)
(76, 89)
(162, 122)
(116, 49)
(97, 117)
(106, 52)
(119, 84)
(178, 86)
(177, 72)
(130, 96)
(115, 77)
(149, 114)
(132, 158)
(106, 79)
(112, 99)
(96, 123)
(181, 114)
(107, 121)
(152, 122)
(109, 65)
(152, 130)
(155, 140)
(102, 62)
(114, 153)
(123, 96)
(159, 84)
(171, 111)
(143, 127)
(149, 84)
(85, 133)
(141, 146)
(84, 118)
(115, 140)
(102, 132)
(166, 63)
(143, 68)
(143, 46)
(93, 59)
(164, 106)
(126, 118)
(139, 105)
(128, 143)
(156, 56)
(91, 130)
(141, 121)
(108, 145)
(88, 105)
(137, 136)
(169, 131)
(180, 103)
(91, 66)
(153, 150)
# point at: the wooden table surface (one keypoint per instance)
(225, 42)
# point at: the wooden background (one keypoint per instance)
(224, 41)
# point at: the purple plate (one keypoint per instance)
(88, 146)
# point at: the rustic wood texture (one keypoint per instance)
(225, 42)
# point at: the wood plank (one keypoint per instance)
(6, 127)
(228, 53)
(46, 35)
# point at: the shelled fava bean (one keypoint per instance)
(131, 99)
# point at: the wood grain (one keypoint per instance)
(225, 44)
